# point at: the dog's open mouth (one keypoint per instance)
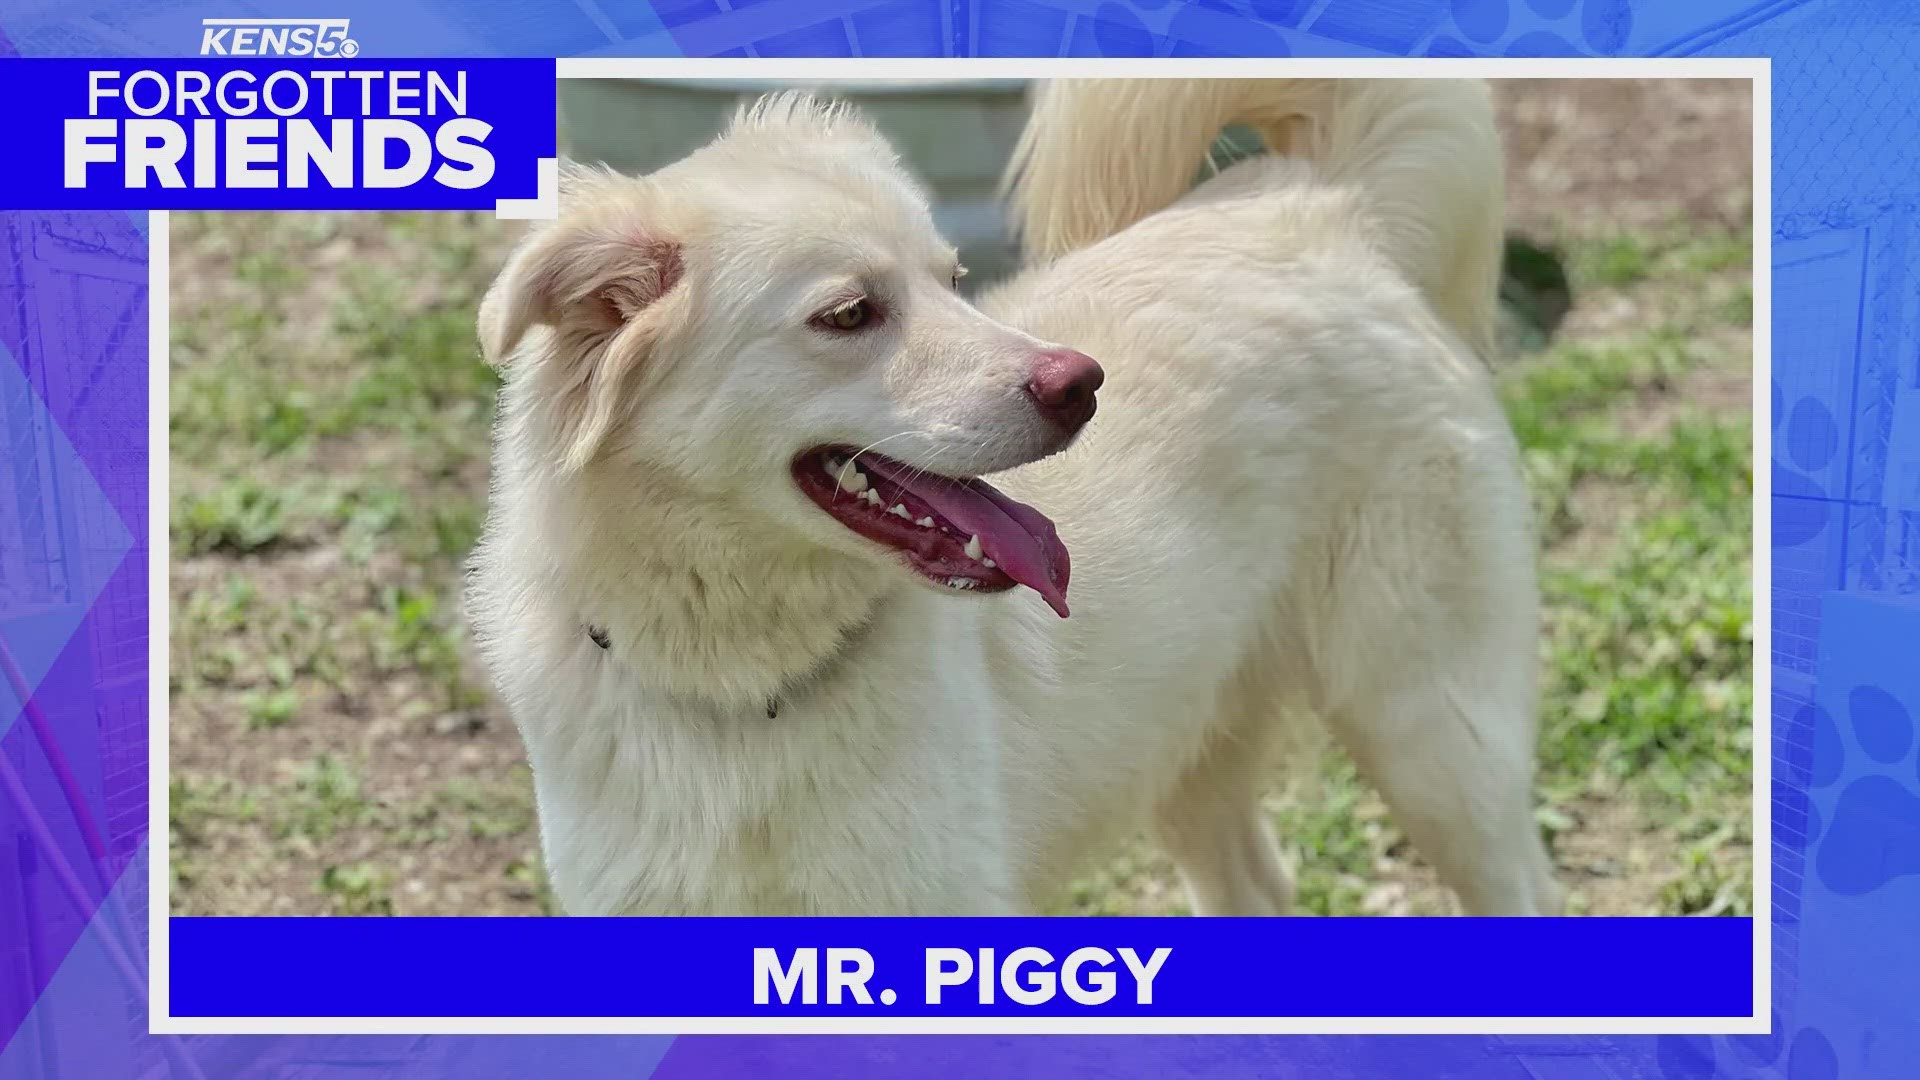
(957, 532)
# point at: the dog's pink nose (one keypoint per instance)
(1063, 385)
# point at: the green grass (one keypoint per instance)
(329, 419)
(1649, 636)
(234, 519)
(325, 797)
(1648, 648)
(271, 708)
(1624, 260)
(1616, 262)
(359, 888)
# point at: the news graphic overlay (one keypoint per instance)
(1100, 971)
(1844, 844)
(319, 38)
(244, 127)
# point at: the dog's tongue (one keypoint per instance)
(1019, 539)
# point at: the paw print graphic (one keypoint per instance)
(1535, 28)
(1808, 1056)
(1455, 28)
(1809, 437)
(1872, 831)
(1197, 28)
(1856, 756)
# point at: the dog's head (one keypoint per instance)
(775, 321)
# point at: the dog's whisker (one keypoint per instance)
(890, 438)
(840, 477)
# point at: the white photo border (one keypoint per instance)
(1757, 70)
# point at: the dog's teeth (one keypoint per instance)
(900, 509)
(973, 549)
(988, 563)
(925, 523)
(959, 583)
(871, 495)
(850, 479)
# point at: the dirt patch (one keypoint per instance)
(373, 771)
(1724, 389)
(1615, 155)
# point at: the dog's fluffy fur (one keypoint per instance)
(1300, 490)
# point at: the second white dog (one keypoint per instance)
(775, 649)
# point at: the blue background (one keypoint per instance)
(1846, 799)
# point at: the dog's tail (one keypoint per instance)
(1423, 155)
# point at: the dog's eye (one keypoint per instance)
(849, 316)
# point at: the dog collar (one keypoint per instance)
(599, 637)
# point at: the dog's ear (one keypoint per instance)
(605, 283)
(576, 277)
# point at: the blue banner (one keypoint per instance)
(217, 133)
(962, 967)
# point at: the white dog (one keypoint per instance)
(774, 648)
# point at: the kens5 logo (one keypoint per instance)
(322, 38)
